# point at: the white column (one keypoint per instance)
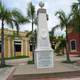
(43, 53)
(21, 47)
(4, 48)
(9, 48)
(26, 48)
(13, 47)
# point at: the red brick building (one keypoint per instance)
(73, 40)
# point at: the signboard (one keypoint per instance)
(45, 59)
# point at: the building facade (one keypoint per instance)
(73, 40)
(15, 45)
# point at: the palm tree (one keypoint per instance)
(11, 18)
(53, 29)
(61, 45)
(64, 21)
(51, 34)
(31, 16)
(76, 16)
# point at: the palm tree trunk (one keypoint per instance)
(67, 44)
(2, 44)
(32, 40)
(52, 34)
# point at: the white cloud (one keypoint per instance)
(51, 5)
(21, 5)
(54, 5)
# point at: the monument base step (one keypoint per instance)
(59, 75)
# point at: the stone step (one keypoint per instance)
(48, 76)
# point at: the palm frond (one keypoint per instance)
(76, 15)
(16, 24)
(64, 19)
(18, 16)
(31, 10)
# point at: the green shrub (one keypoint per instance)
(16, 57)
(3, 66)
(30, 62)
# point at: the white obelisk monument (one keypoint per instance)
(43, 52)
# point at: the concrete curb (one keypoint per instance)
(59, 75)
(10, 74)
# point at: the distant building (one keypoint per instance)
(15, 45)
(73, 39)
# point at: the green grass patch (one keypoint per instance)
(59, 54)
(3, 66)
(16, 57)
(69, 62)
(30, 62)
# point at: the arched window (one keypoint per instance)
(17, 46)
(73, 45)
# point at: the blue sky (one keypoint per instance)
(55, 5)
(51, 5)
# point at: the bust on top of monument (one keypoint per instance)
(41, 4)
(42, 10)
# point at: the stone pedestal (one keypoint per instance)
(44, 58)
(43, 53)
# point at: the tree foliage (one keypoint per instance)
(12, 18)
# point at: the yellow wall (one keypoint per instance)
(6, 47)
(9, 44)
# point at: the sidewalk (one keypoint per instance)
(22, 68)
(62, 58)
(57, 79)
(60, 71)
(16, 62)
(5, 73)
(24, 72)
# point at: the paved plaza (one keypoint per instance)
(22, 68)
(58, 79)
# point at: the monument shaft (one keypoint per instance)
(43, 52)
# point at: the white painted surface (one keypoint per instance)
(43, 35)
(26, 48)
(43, 52)
(44, 59)
(9, 48)
(22, 47)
